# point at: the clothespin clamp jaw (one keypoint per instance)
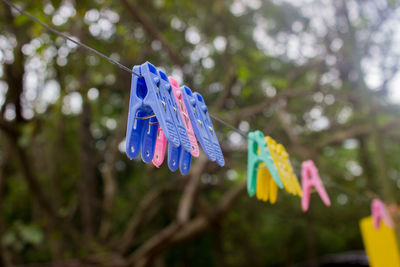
(149, 96)
(136, 125)
(148, 140)
(310, 178)
(182, 156)
(177, 156)
(380, 212)
(159, 150)
(185, 117)
(198, 124)
(176, 117)
(185, 161)
(174, 152)
(158, 99)
(266, 186)
(257, 153)
(282, 163)
(209, 128)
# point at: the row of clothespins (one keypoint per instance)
(269, 167)
(161, 111)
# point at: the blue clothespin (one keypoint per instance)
(150, 102)
(202, 125)
(176, 116)
(210, 128)
(175, 152)
(148, 140)
(181, 156)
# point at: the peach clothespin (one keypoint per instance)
(379, 212)
(310, 178)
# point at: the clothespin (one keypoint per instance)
(151, 106)
(258, 152)
(379, 212)
(202, 125)
(266, 186)
(176, 154)
(310, 178)
(148, 139)
(159, 150)
(284, 167)
(195, 152)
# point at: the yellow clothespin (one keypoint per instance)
(285, 170)
(380, 244)
(267, 189)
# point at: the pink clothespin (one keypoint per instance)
(185, 117)
(310, 178)
(161, 141)
(379, 212)
(159, 150)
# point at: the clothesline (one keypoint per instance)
(123, 67)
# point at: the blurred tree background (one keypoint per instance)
(318, 76)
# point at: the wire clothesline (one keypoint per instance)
(123, 67)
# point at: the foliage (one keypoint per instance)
(318, 76)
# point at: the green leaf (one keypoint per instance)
(31, 234)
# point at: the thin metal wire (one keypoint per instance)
(229, 126)
(49, 28)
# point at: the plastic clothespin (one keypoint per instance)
(310, 178)
(379, 212)
(266, 186)
(175, 152)
(159, 153)
(257, 153)
(159, 150)
(148, 143)
(182, 155)
(150, 102)
(177, 119)
(195, 152)
(202, 125)
(177, 155)
(282, 163)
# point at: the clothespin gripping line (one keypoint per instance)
(75, 41)
(65, 36)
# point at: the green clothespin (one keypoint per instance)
(258, 152)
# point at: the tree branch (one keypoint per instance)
(186, 202)
(87, 183)
(258, 108)
(148, 26)
(359, 130)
